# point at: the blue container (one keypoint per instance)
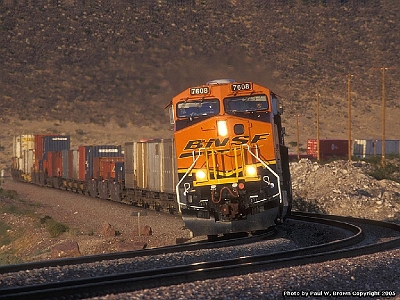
(56, 143)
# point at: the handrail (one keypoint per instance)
(195, 159)
(184, 176)
(266, 166)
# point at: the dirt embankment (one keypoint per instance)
(339, 188)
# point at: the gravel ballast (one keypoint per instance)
(366, 276)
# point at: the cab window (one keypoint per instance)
(197, 108)
(245, 104)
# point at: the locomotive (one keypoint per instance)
(232, 163)
(226, 169)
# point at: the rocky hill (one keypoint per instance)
(119, 62)
(343, 188)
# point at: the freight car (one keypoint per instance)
(143, 174)
(232, 163)
(226, 170)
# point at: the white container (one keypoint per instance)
(367, 148)
(23, 152)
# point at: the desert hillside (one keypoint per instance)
(103, 71)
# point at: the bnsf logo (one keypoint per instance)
(237, 140)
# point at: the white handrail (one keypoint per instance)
(184, 176)
(266, 166)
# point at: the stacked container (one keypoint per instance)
(87, 155)
(54, 165)
(366, 148)
(23, 152)
(65, 163)
(150, 165)
(49, 143)
(119, 171)
(327, 148)
(129, 165)
(104, 167)
(73, 164)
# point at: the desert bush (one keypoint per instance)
(54, 228)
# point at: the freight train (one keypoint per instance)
(226, 170)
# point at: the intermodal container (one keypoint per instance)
(136, 165)
(327, 148)
(56, 143)
(104, 167)
(50, 142)
(22, 144)
(65, 163)
(54, 163)
(333, 148)
(73, 164)
(108, 168)
(170, 173)
(366, 148)
(28, 159)
(141, 166)
(150, 165)
(88, 153)
(119, 171)
(82, 163)
(129, 165)
(154, 163)
(312, 147)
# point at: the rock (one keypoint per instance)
(107, 230)
(181, 240)
(65, 249)
(130, 246)
(145, 230)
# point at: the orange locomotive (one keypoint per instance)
(232, 163)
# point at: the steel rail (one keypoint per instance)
(192, 246)
(89, 287)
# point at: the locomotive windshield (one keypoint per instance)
(197, 108)
(245, 104)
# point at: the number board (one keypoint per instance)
(244, 86)
(199, 90)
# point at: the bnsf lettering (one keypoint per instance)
(240, 139)
(59, 139)
(217, 142)
(259, 137)
(194, 144)
(237, 140)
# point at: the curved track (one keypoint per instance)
(90, 287)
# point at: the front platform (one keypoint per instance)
(201, 226)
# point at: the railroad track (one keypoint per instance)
(130, 281)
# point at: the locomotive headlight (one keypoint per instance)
(222, 128)
(251, 171)
(201, 175)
